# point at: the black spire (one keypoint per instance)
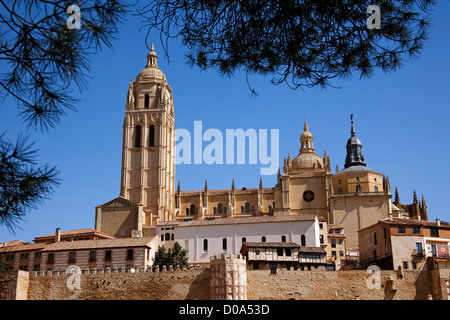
(354, 146)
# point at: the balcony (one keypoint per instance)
(419, 254)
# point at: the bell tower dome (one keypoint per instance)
(148, 152)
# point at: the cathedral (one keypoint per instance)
(352, 198)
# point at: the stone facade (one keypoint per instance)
(228, 278)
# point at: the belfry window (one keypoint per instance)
(151, 136)
(137, 136)
(146, 101)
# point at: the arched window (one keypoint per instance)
(137, 136)
(214, 210)
(219, 208)
(172, 236)
(247, 207)
(270, 209)
(224, 244)
(375, 189)
(263, 239)
(242, 209)
(283, 238)
(151, 136)
(162, 237)
(303, 240)
(205, 245)
(167, 237)
(146, 101)
(192, 209)
(187, 211)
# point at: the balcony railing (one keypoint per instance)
(416, 253)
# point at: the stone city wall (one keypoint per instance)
(121, 284)
(194, 284)
(340, 285)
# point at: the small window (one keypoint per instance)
(51, 258)
(340, 191)
(273, 268)
(130, 254)
(416, 230)
(146, 101)
(205, 245)
(401, 229)
(151, 136)
(167, 237)
(137, 136)
(263, 239)
(375, 189)
(434, 232)
(280, 252)
(288, 252)
(92, 256)
(72, 256)
(303, 240)
(333, 243)
(224, 244)
(405, 265)
(283, 238)
(108, 255)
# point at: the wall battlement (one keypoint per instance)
(115, 270)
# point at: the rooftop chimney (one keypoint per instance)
(58, 235)
(438, 222)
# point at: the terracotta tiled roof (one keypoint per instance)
(312, 250)
(413, 222)
(23, 247)
(271, 245)
(11, 243)
(248, 220)
(97, 244)
(76, 232)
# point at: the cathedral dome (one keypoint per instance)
(307, 158)
(307, 161)
(151, 72)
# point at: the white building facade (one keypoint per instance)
(203, 239)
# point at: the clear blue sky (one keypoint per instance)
(401, 119)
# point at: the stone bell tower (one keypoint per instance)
(148, 152)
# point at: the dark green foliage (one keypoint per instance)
(41, 60)
(173, 257)
(303, 43)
